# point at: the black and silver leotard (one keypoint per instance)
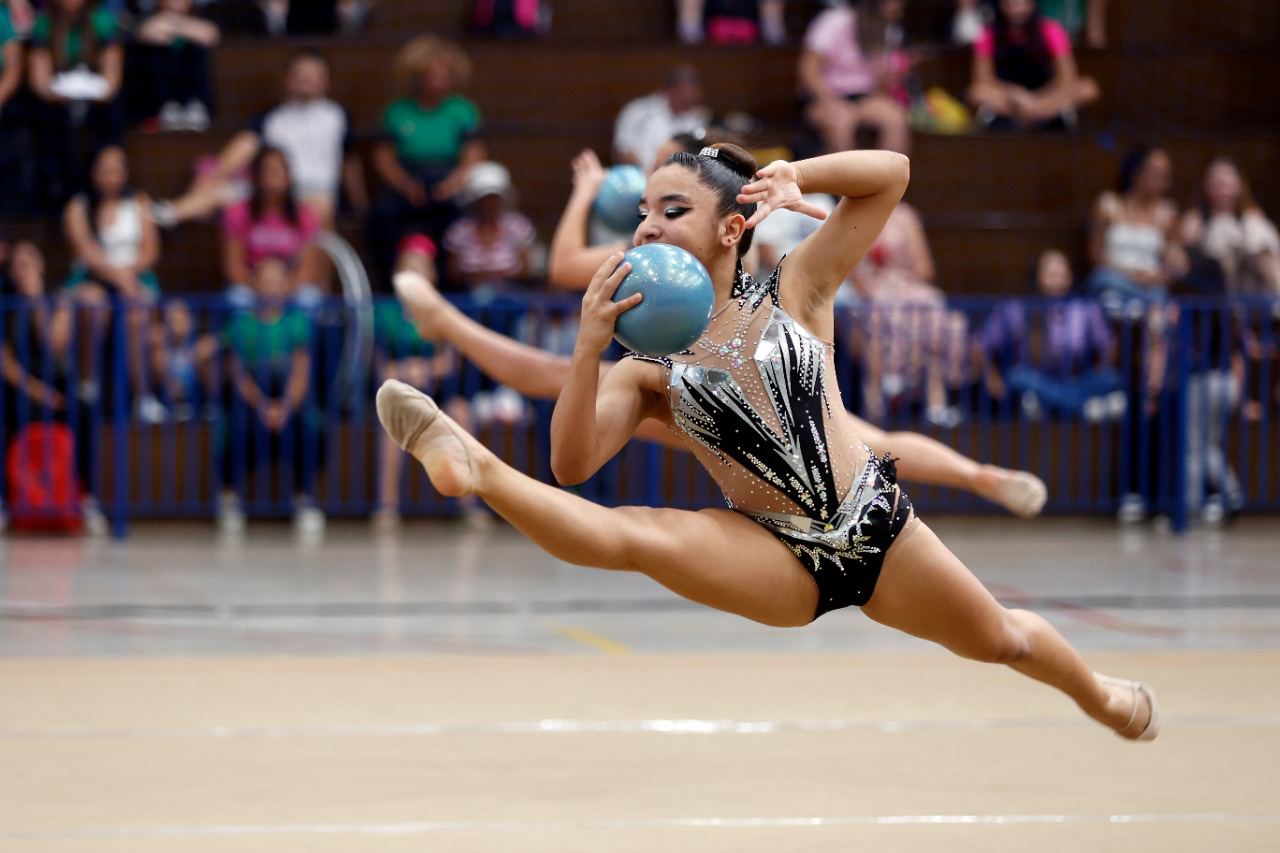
(756, 401)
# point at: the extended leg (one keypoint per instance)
(925, 591)
(714, 557)
(926, 460)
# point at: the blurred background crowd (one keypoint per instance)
(1088, 238)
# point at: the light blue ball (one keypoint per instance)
(618, 201)
(678, 298)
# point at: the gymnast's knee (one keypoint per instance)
(1007, 646)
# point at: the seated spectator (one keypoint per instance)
(432, 141)
(269, 348)
(1075, 17)
(76, 66)
(731, 21)
(17, 178)
(271, 224)
(21, 15)
(115, 245)
(173, 55)
(1024, 73)
(490, 248)
(1053, 355)
(1079, 16)
(1133, 236)
(851, 64)
(36, 366)
(37, 339)
(280, 18)
(313, 131)
(490, 254)
(510, 18)
(913, 347)
(1232, 246)
(645, 124)
(401, 353)
(183, 362)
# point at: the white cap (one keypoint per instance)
(484, 179)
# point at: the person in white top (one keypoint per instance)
(1133, 241)
(116, 245)
(1229, 229)
(313, 131)
(645, 124)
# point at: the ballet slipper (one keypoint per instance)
(423, 301)
(1020, 492)
(416, 424)
(1152, 728)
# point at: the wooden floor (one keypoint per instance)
(439, 691)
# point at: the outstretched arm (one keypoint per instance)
(572, 261)
(869, 184)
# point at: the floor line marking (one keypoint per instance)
(426, 827)
(592, 639)
(571, 727)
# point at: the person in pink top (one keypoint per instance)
(851, 64)
(1024, 73)
(271, 225)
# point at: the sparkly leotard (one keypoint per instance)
(756, 401)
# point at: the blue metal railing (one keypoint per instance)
(1172, 412)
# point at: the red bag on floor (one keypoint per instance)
(43, 491)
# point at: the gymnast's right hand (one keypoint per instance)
(599, 311)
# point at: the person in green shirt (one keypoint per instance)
(269, 365)
(75, 57)
(430, 142)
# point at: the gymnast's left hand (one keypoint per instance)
(777, 187)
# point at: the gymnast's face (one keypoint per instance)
(678, 209)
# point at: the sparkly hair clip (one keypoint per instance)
(709, 152)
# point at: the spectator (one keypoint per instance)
(491, 246)
(510, 18)
(490, 254)
(269, 348)
(1054, 355)
(432, 141)
(1215, 353)
(183, 362)
(271, 224)
(1079, 16)
(1133, 236)
(1231, 243)
(645, 124)
(280, 18)
(1024, 73)
(22, 16)
(17, 180)
(913, 346)
(35, 358)
(173, 50)
(851, 63)
(115, 245)
(731, 21)
(402, 354)
(75, 69)
(313, 131)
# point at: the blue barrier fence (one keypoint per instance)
(190, 407)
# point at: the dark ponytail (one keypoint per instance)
(724, 173)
